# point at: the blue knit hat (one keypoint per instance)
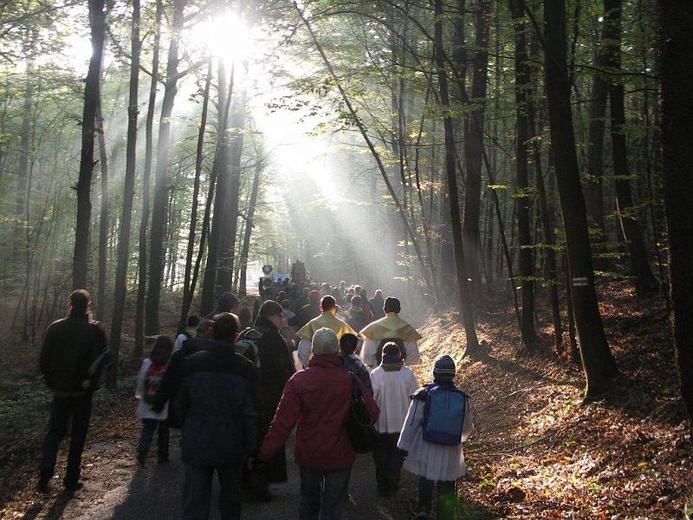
(444, 369)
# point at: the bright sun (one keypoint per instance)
(224, 36)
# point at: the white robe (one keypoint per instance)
(429, 460)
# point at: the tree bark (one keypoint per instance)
(120, 287)
(159, 206)
(146, 186)
(474, 147)
(188, 279)
(677, 128)
(597, 361)
(524, 235)
(645, 281)
(465, 303)
(92, 92)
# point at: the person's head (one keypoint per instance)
(314, 296)
(324, 342)
(357, 289)
(204, 329)
(225, 327)
(328, 304)
(161, 350)
(272, 311)
(80, 300)
(364, 294)
(356, 301)
(378, 294)
(245, 316)
(391, 305)
(444, 369)
(228, 302)
(391, 353)
(348, 343)
(193, 320)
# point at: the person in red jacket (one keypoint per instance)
(318, 398)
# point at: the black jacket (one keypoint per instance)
(217, 400)
(70, 347)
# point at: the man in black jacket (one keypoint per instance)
(216, 389)
(73, 354)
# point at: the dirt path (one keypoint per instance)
(116, 489)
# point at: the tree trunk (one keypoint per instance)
(525, 257)
(92, 92)
(247, 233)
(104, 217)
(120, 287)
(188, 279)
(645, 281)
(230, 225)
(474, 147)
(597, 360)
(220, 169)
(465, 303)
(146, 187)
(159, 207)
(677, 127)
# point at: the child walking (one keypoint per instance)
(148, 380)
(438, 421)
(393, 382)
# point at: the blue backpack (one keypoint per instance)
(444, 414)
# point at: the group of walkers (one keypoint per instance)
(236, 412)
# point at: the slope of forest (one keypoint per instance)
(537, 452)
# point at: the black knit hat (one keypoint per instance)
(444, 369)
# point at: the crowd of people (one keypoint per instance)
(238, 383)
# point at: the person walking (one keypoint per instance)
(275, 366)
(393, 382)
(317, 400)
(215, 389)
(148, 381)
(437, 465)
(327, 318)
(73, 357)
(389, 328)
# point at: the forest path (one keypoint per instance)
(115, 488)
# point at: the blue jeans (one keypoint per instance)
(149, 426)
(197, 492)
(323, 493)
(74, 408)
(446, 497)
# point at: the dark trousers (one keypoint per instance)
(197, 492)
(149, 427)
(388, 463)
(445, 505)
(74, 409)
(323, 493)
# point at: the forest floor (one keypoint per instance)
(538, 451)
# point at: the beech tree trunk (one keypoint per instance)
(465, 302)
(677, 129)
(645, 281)
(524, 235)
(597, 360)
(146, 187)
(159, 207)
(120, 287)
(92, 92)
